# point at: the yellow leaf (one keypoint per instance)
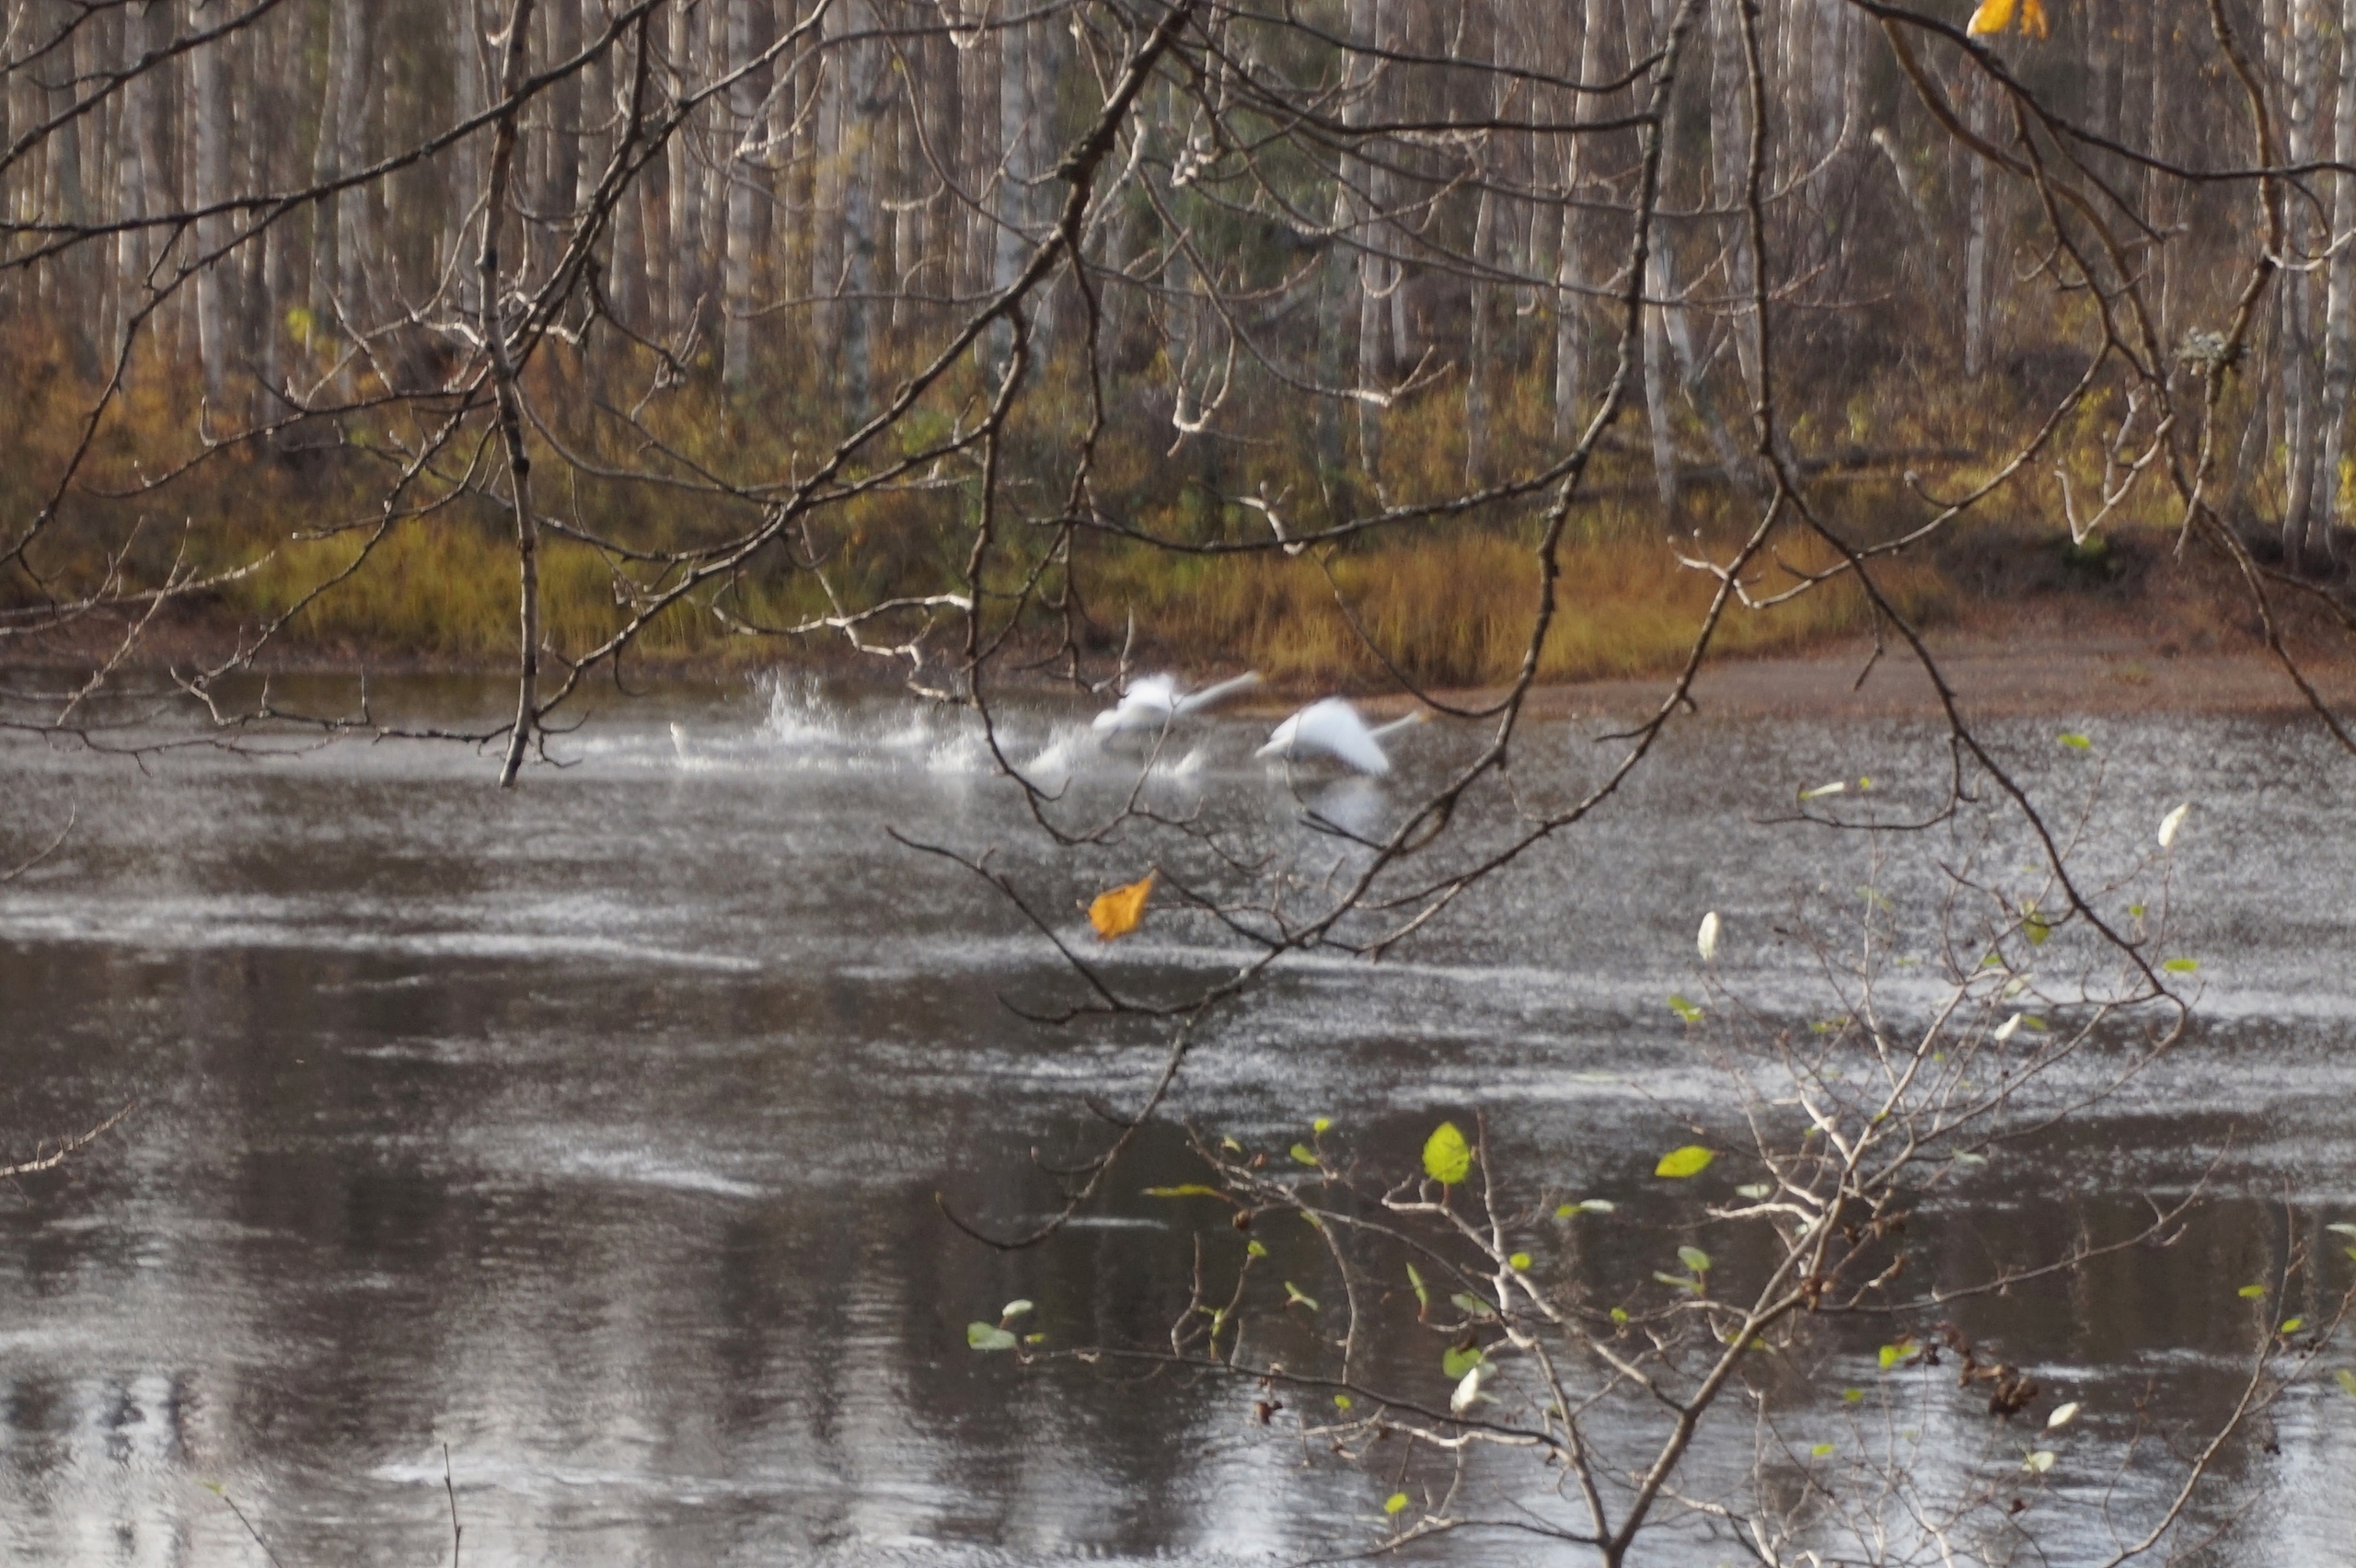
(2033, 18)
(1679, 1163)
(1115, 914)
(1993, 17)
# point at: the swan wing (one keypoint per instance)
(1145, 706)
(1360, 750)
(1196, 701)
(1334, 727)
(1158, 693)
(1280, 739)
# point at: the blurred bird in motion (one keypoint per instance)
(1152, 702)
(1331, 728)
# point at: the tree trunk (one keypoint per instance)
(736, 279)
(1661, 286)
(209, 87)
(2302, 61)
(1478, 349)
(2340, 308)
(1570, 311)
(862, 112)
(1977, 223)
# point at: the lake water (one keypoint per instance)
(592, 1131)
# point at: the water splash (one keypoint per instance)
(799, 714)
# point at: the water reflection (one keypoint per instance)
(592, 1130)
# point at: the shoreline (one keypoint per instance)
(2006, 672)
(1991, 679)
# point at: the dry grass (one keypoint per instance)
(1458, 610)
(1450, 605)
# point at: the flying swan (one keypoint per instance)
(1152, 702)
(1332, 728)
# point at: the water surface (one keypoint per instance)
(592, 1130)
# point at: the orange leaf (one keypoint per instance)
(2033, 18)
(1115, 914)
(1995, 15)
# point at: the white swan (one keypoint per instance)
(1151, 702)
(1332, 728)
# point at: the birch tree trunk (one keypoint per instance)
(1378, 277)
(2300, 53)
(2340, 308)
(1977, 222)
(1570, 310)
(736, 279)
(682, 217)
(1478, 348)
(1661, 286)
(861, 88)
(209, 89)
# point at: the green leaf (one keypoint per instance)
(1891, 1355)
(1343, 1401)
(2347, 1380)
(1394, 1504)
(1034, 1339)
(1619, 1314)
(1679, 1280)
(1679, 1163)
(2292, 1325)
(1230, 1145)
(1255, 1248)
(1754, 1190)
(987, 1336)
(1013, 1309)
(2343, 1229)
(1519, 1260)
(2181, 965)
(1320, 1125)
(1294, 1295)
(1471, 1306)
(1457, 1362)
(1564, 1211)
(1184, 1190)
(1304, 1154)
(1448, 1159)
(2035, 929)
(1423, 1296)
(1854, 1396)
(2077, 742)
(1685, 1009)
(2135, 912)
(1822, 1452)
(2252, 1293)
(2039, 1462)
(1695, 1258)
(1835, 787)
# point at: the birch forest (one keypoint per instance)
(970, 336)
